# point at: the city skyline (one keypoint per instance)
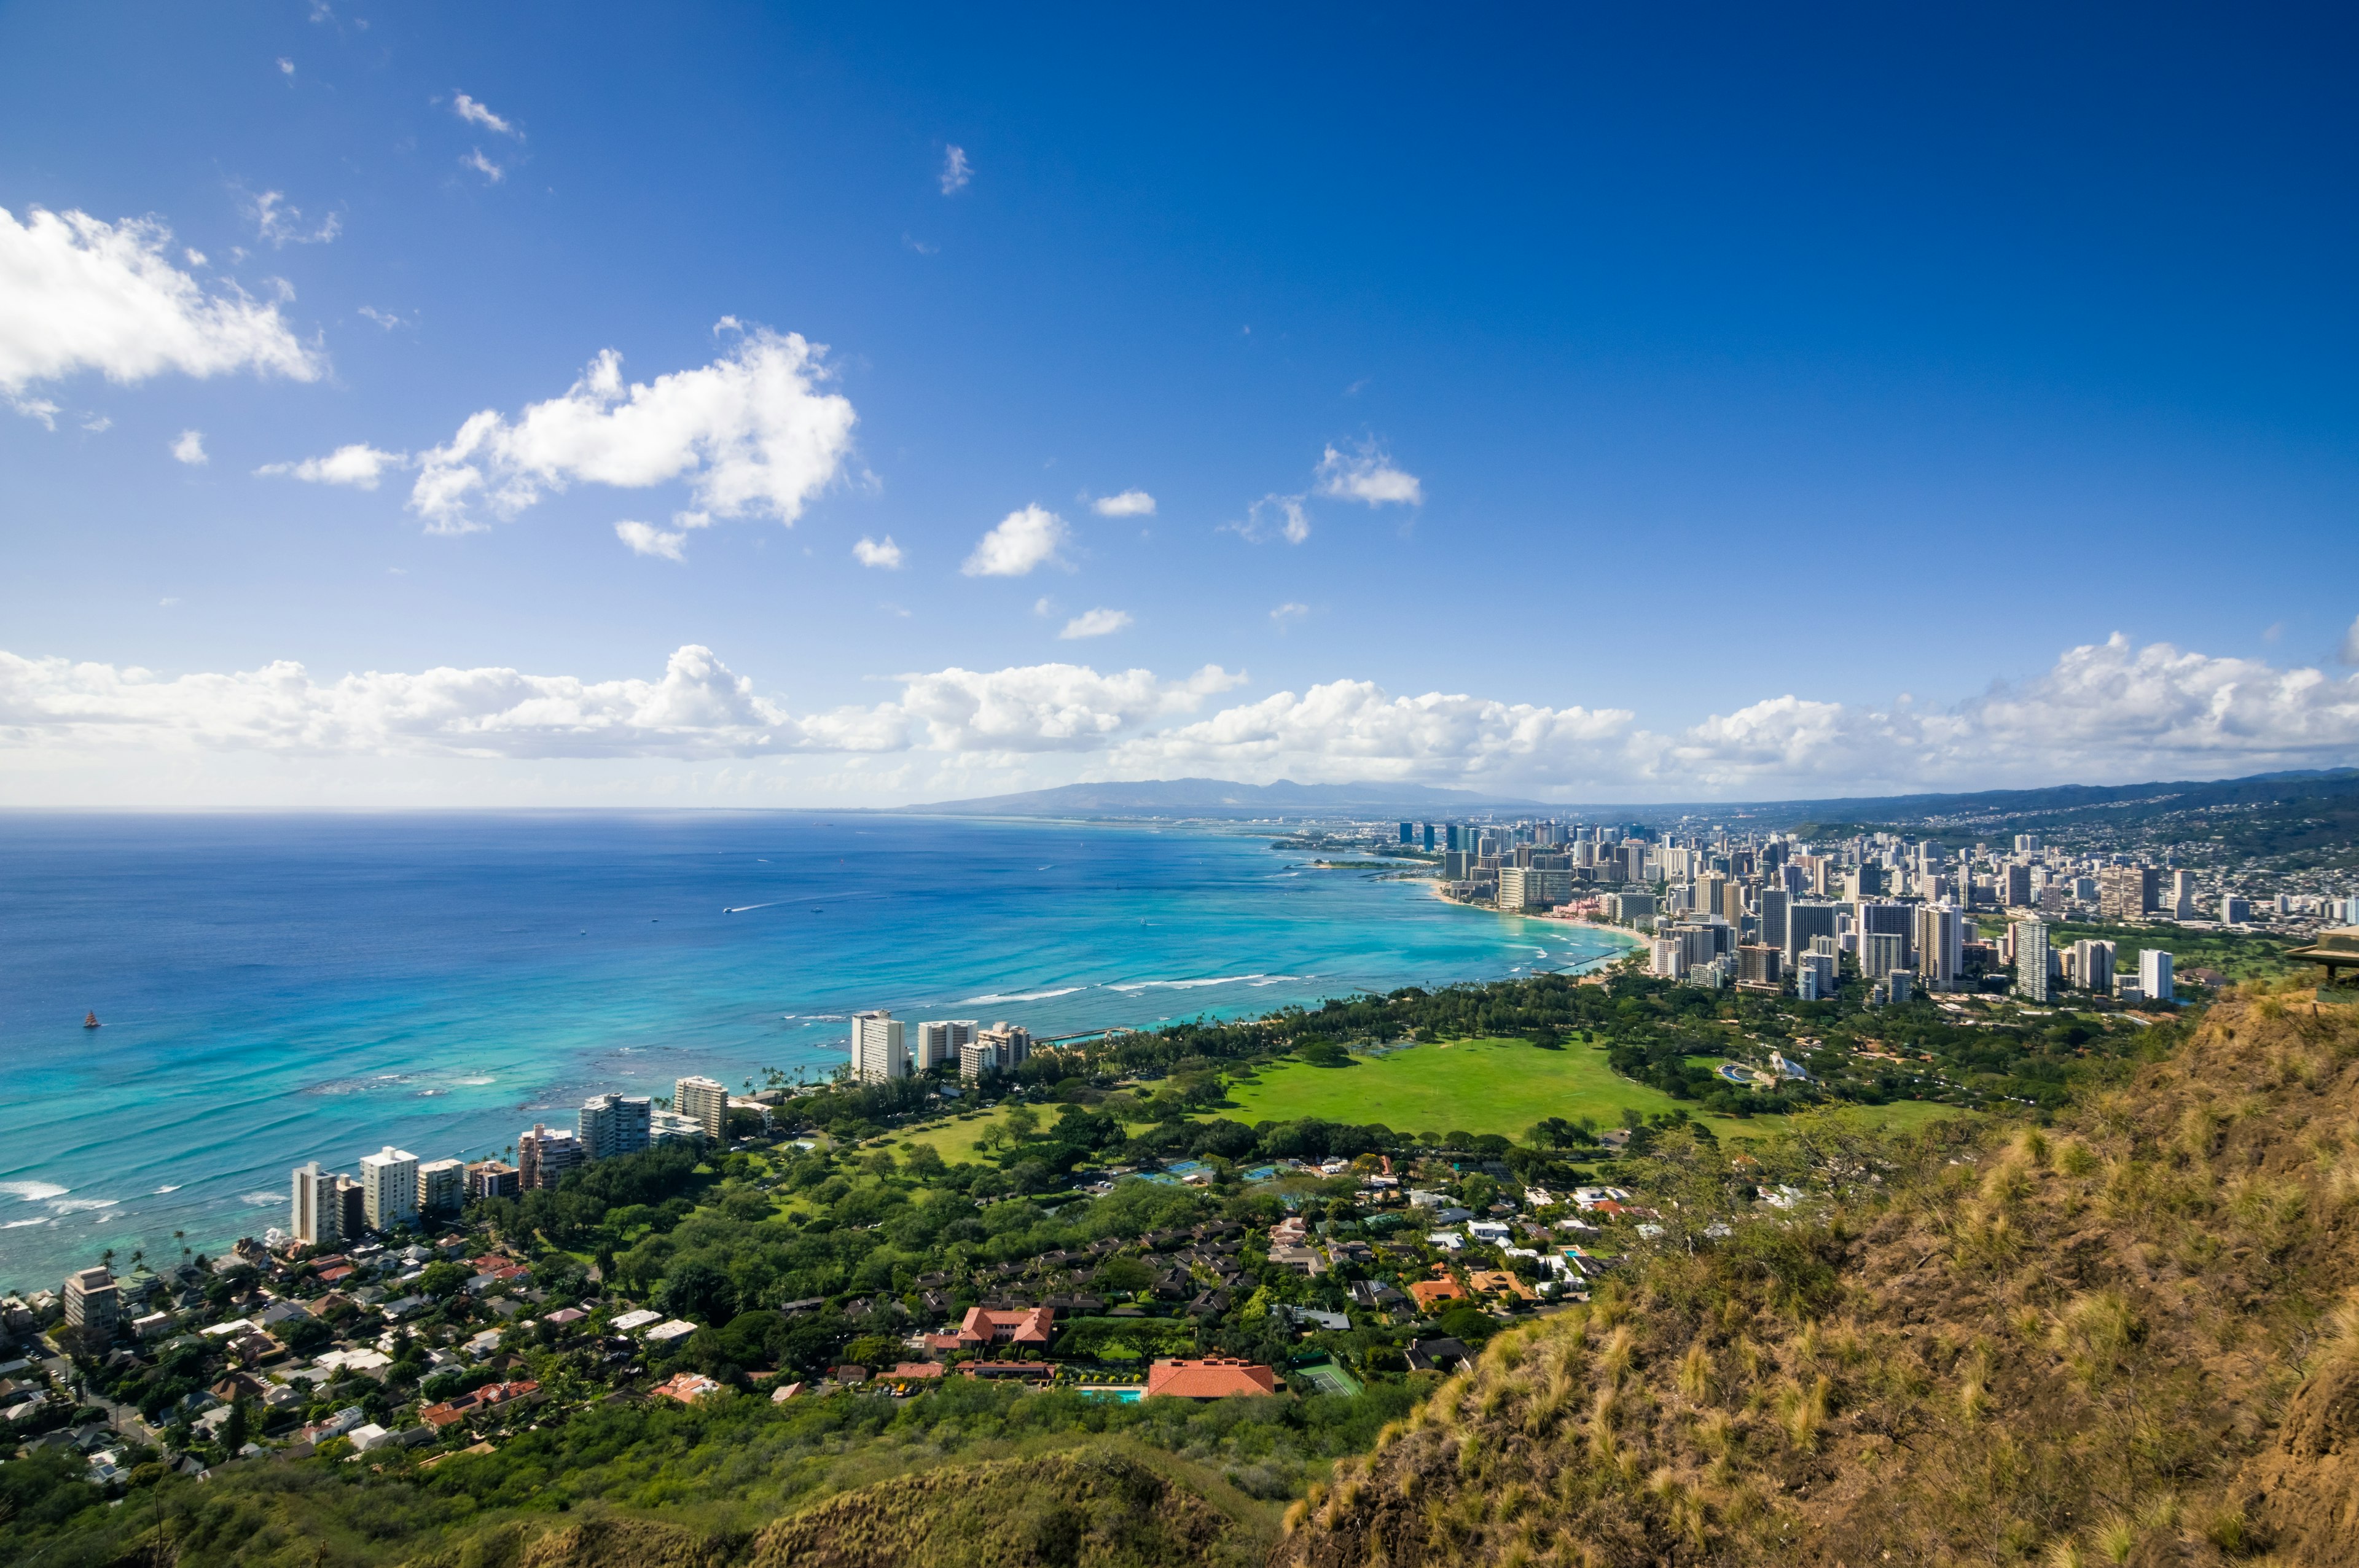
(920, 406)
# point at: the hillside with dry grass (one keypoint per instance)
(2130, 1338)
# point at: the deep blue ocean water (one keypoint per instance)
(281, 988)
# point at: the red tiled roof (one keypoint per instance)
(1214, 1378)
(985, 1325)
(910, 1371)
(687, 1388)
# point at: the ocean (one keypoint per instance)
(275, 989)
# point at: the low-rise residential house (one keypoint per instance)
(1443, 1355)
(1430, 1293)
(1499, 1282)
(666, 1333)
(985, 1328)
(687, 1388)
(1210, 1377)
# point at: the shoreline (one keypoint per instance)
(1620, 932)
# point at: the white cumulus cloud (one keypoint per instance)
(956, 171)
(476, 113)
(883, 553)
(1022, 541)
(78, 293)
(751, 433)
(646, 539)
(1129, 504)
(1367, 474)
(1095, 623)
(697, 708)
(359, 465)
(190, 448)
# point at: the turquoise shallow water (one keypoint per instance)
(278, 990)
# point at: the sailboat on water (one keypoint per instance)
(90, 1021)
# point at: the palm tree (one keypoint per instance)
(107, 1257)
(182, 1237)
(138, 1256)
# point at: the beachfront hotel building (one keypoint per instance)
(441, 1186)
(544, 1155)
(1001, 1048)
(93, 1306)
(318, 1220)
(706, 1100)
(610, 1124)
(941, 1042)
(878, 1053)
(389, 1188)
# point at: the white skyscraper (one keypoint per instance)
(877, 1052)
(705, 1099)
(389, 1188)
(2032, 960)
(318, 1220)
(611, 1124)
(2154, 974)
(940, 1040)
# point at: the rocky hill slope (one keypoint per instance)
(2129, 1339)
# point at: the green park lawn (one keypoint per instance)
(954, 1140)
(1492, 1086)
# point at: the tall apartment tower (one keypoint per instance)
(545, 1155)
(1002, 1048)
(352, 1208)
(1775, 903)
(2154, 974)
(441, 1186)
(940, 1040)
(2126, 893)
(318, 1220)
(610, 1124)
(707, 1102)
(92, 1305)
(878, 1052)
(2032, 960)
(389, 1188)
(1941, 945)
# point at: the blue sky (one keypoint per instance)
(1584, 405)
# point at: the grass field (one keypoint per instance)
(954, 1139)
(1493, 1085)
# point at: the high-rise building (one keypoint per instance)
(1009, 1044)
(1814, 977)
(707, 1101)
(2126, 893)
(1877, 919)
(2014, 886)
(1534, 887)
(318, 1220)
(609, 1125)
(878, 1054)
(493, 1179)
(1709, 895)
(2235, 911)
(1939, 946)
(1669, 959)
(2032, 960)
(1428, 828)
(1758, 964)
(667, 1127)
(2027, 843)
(93, 1306)
(1805, 921)
(545, 1155)
(1899, 986)
(1881, 952)
(2154, 974)
(389, 1188)
(940, 1040)
(2182, 896)
(1409, 832)
(351, 1209)
(441, 1186)
(2091, 963)
(1774, 902)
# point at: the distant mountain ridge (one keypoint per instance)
(1221, 798)
(2336, 790)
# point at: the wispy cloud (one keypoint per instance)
(1272, 517)
(474, 159)
(646, 539)
(385, 319)
(1095, 623)
(956, 171)
(1022, 541)
(476, 113)
(40, 410)
(358, 465)
(190, 448)
(1286, 614)
(279, 223)
(285, 66)
(1129, 504)
(1367, 474)
(883, 554)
